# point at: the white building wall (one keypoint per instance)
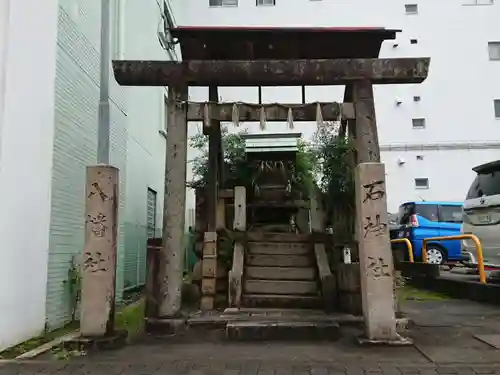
(449, 173)
(146, 145)
(77, 85)
(27, 70)
(137, 147)
(456, 100)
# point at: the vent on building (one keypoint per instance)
(422, 183)
(416, 98)
(413, 41)
(420, 157)
(496, 105)
(418, 123)
(260, 3)
(411, 8)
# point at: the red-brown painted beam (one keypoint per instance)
(271, 72)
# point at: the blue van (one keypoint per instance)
(419, 220)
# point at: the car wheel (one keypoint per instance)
(435, 255)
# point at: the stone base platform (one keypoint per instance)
(261, 324)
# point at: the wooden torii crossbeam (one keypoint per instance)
(271, 72)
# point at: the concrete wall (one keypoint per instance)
(27, 70)
(456, 100)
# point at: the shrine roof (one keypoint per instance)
(280, 43)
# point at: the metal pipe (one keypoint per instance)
(479, 248)
(103, 126)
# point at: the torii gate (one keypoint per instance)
(216, 56)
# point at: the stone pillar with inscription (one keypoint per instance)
(375, 256)
(100, 252)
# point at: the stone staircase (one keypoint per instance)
(280, 275)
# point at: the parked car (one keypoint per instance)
(482, 215)
(420, 220)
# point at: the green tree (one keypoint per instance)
(235, 170)
(335, 175)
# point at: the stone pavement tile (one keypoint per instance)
(462, 355)
(486, 370)
(219, 368)
(387, 369)
(319, 370)
(266, 371)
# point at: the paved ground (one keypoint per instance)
(444, 334)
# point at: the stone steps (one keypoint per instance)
(282, 301)
(277, 248)
(280, 273)
(282, 330)
(280, 260)
(287, 287)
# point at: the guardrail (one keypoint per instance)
(408, 246)
(479, 248)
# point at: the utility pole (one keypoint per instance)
(101, 212)
(103, 130)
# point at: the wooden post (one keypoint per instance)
(221, 214)
(213, 164)
(210, 248)
(367, 146)
(239, 224)
(99, 254)
(172, 254)
(151, 285)
(325, 274)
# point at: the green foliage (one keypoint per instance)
(73, 283)
(235, 170)
(307, 167)
(335, 173)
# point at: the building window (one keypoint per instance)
(421, 183)
(223, 3)
(418, 123)
(151, 215)
(413, 41)
(494, 50)
(411, 8)
(479, 2)
(420, 157)
(260, 3)
(496, 105)
(416, 98)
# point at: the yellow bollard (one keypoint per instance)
(408, 246)
(479, 248)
